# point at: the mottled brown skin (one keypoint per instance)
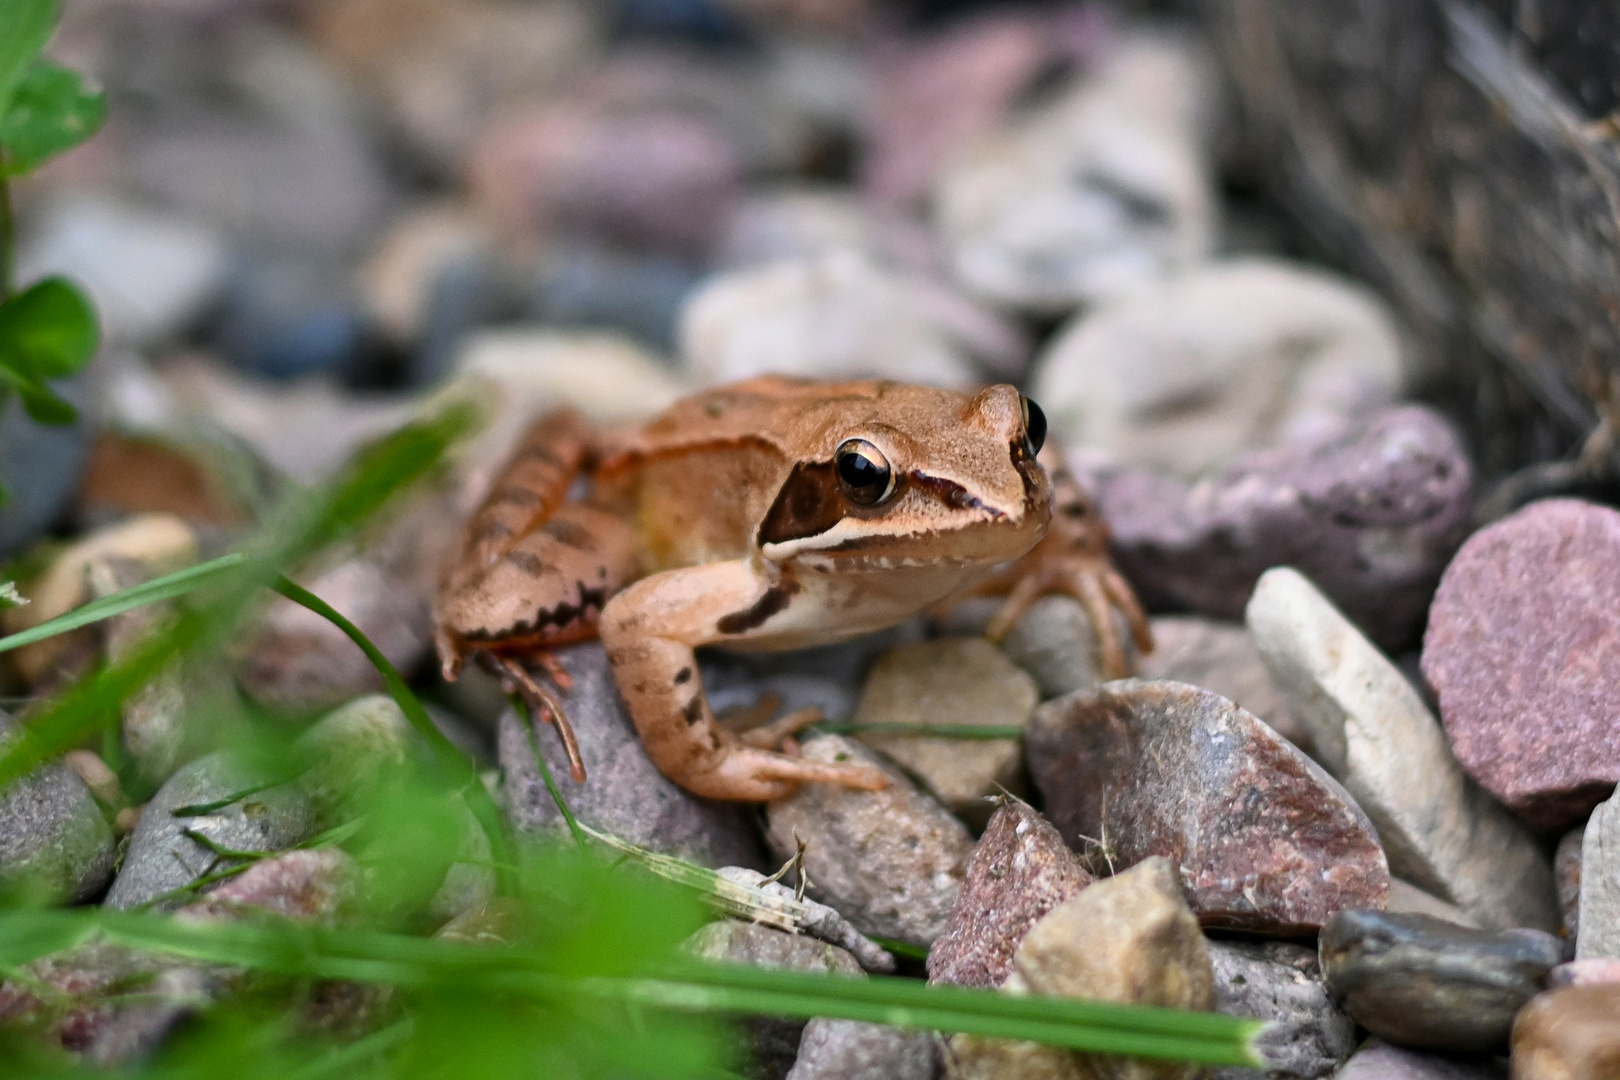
(728, 521)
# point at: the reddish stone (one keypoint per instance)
(1593, 971)
(1019, 871)
(1264, 839)
(1521, 649)
(310, 886)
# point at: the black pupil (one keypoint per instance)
(1034, 426)
(860, 471)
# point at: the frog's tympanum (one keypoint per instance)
(771, 514)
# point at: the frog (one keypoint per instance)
(772, 514)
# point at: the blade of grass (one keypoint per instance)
(686, 984)
(521, 707)
(151, 592)
(451, 760)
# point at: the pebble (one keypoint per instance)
(950, 681)
(624, 793)
(1370, 517)
(846, 1050)
(1599, 933)
(297, 659)
(833, 316)
(1567, 872)
(804, 221)
(652, 180)
(773, 1043)
(891, 861)
(1019, 870)
(1421, 982)
(161, 859)
(1237, 356)
(55, 845)
(287, 315)
(1221, 657)
(581, 285)
(934, 94)
(158, 543)
(1100, 193)
(1593, 971)
(1264, 840)
(1406, 898)
(1129, 939)
(1525, 624)
(149, 274)
(306, 886)
(353, 749)
(1282, 983)
(1569, 1034)
(1380, 1061)
(604, 375)
(1373, 732)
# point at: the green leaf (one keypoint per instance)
(44, 406)
(25, 27)
(52, 110)
(49, 330)
(166, 587)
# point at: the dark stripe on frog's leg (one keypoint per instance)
(772, 602)
(515, 495)
(528, 562)
(567, 533)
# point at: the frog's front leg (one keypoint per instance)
(650, 630)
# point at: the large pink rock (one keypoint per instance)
(1523, 648)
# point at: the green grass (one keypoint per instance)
(589, 980)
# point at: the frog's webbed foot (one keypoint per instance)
(650, 631)
(1072, 559)
(542, 702)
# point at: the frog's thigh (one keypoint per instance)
(650, 630)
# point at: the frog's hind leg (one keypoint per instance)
(650, 630)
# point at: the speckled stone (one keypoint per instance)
(1019, 870)
(624, 793)
(1595, 971)
(773, 1043)
(1569, 1034)
(892, 862)
(1429, 984)
(1282, 983)
(1521, 645)
(1600, 883)
(1376, 736)
(953, 680)
(308, 886)
(1128, 939)
(1263, 838)
(1370, 516)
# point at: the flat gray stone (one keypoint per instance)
(846, 1050)
(351, 749)
(1442, 832)
(1424, 983)
(161, 859)
(623, 793)
(55, 845)
(1600, 884)
(891, 861)
(1282, 983)
(950, 681)
(773, 1042)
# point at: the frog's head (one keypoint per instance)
(913, 476)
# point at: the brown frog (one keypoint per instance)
(767, 515)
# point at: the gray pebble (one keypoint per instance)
(1282, 983)
(846, 1050)
(623, 793)
(1425, 983)
(54, 843)
(162, 859)
(1380, 1061)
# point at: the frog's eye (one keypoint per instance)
(863, 472)
(1034, 426)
